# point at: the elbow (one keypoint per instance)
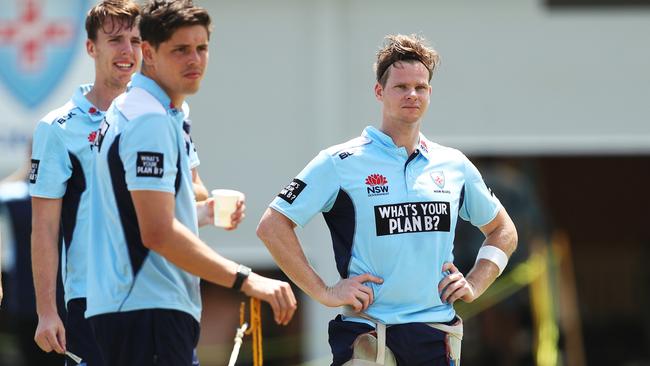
(152, 241)
(514, 239)
(200, 193)
(264, 230)
(271, 227)
(274, 228)
(155, 238)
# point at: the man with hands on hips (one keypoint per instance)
(391, 199)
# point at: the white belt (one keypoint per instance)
(366, 347)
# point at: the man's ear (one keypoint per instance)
(90, 48)
(147, 53)
(379, 92)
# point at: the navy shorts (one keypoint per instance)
(159, 337)
(79, 336)
(413, 344)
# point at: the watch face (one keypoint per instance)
(242, 275)
(244, 270)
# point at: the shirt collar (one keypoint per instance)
(386, 141)
(423, 146)
(79, 99)
(140, 81)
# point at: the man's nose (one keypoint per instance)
(194, 57)
(127, 48)
(412, 94)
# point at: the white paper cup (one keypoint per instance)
(225, 204)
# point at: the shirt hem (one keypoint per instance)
(369, 322)
(46, 195)
(286, 214)
(493, 216)
(151, 188)
(115, 309)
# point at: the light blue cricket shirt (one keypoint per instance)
(393, 216)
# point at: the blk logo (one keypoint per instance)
(377, 185)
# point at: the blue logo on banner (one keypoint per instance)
(38, 40)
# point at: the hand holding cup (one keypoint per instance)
(229, 208)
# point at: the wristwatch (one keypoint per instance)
(242, 275)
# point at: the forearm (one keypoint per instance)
(45, 261)
(161, 232)
(184, 249)
(46, 218)
(289, 256)
(482, 275)
(202, 214)
(280, 239)
(200, 192)
(502, 236)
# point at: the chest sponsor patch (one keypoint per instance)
(412, 217)
(150, 164)
(33, 171)
(292, 190)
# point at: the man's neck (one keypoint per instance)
(176, 100)
(403, 135)
(102, 95)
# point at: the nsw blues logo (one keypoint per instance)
(438, 178)
(38, 40)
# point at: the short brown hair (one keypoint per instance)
(399, 47)
(124, 13)
(161, 18)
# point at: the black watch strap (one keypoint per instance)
(242, 275)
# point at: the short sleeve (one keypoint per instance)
(50, 166)
(189, 143)
(480, 206)
(194, 156)
(314, 190)
(149, 152)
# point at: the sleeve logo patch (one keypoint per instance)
(150, 164)
(33, 172)
(412, 217)
(291, 191)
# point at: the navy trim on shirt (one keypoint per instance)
(75, 187)
(137, 251)
(341, 221)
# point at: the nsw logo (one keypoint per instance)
(38, 40)
(377, 185)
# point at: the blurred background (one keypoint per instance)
(549, 98)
